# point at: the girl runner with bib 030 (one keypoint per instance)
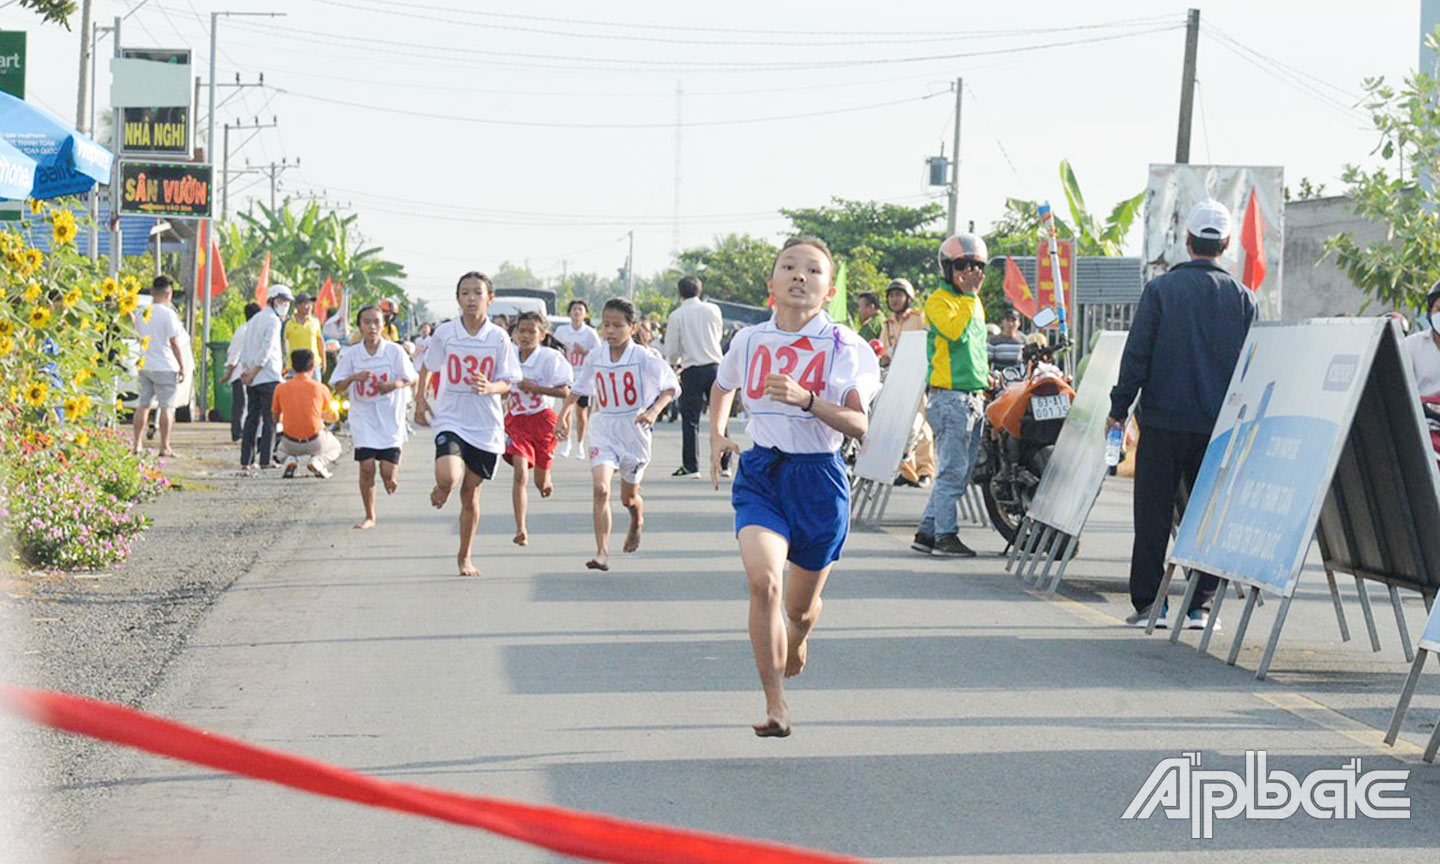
(578, 339)
(477, 365)
(806, 382)
(628, 385)
(376, 373)
(530, 425)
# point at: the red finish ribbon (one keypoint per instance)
(570, 832)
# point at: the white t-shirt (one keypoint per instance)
(455, 354)
(826, 358)
(620, 389)
(163, 326)
(377, 419)
(1424, 359)
(547, 368)
(577, 342)
(232, 353)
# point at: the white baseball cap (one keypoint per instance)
(1209, 220)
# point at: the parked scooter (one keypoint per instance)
(1028, 403)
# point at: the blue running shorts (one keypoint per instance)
(803, 497)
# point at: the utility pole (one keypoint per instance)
(1187, 87)
(675, 230)
(209, 153)
(951, 218)
(239, 125)
(116, 252)
(85, 51)
(630, 267)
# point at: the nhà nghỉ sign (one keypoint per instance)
(156, 131)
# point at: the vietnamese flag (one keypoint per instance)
(218, 282)
(1017, 291)
(262, 285)
(325, 300)
(1252, 240)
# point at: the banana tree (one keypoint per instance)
(1016, 230)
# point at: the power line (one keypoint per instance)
(542, 124)
(857, 38)
(1271, 68)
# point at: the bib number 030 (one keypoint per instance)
(460, 368)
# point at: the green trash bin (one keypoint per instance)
(220, 401)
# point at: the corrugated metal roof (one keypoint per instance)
(1098, 280)
(134, 233)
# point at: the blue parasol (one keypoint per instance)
(17, 173)
(67, 163)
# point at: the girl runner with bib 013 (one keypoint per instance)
(805, 382)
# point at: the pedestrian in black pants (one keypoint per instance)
(692, 341)
(237, 410)
(258, 442)
(262, 359)
(1184, 341)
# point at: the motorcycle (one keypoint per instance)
(1027, 406)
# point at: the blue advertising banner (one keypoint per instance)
(1274, 450)
(1430, 639)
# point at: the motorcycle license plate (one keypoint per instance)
(1050, 407)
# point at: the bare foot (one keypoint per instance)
(467, 568)
(168, 454)
(521, 539)
(597, 563)
(776, 725)
(632, 537)
(795, 660)
(438, 497)
(365, 524)
(391, 486)
(546, 490)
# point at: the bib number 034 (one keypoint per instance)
(784, 361)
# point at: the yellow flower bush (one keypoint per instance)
(36, 393)
(62, 226)
(39, 317)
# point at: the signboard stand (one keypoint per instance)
(1429, 643)
(1050, 531)
(1330, 394)
(891, 418)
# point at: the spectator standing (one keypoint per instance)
(264, 362)
(303, 406)
(303, 331)
(692, 342)
(233, 370)
(1189, 327)
(162, 367)
(959, 374)
(867, 306)
(1422, 349)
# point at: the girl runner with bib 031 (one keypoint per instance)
(577, 338)
(477, 365)
(530, 425)
(628, 385)
(375, 373)
(805, 382)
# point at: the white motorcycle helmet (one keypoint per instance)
(961, 245)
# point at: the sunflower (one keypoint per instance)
(97, 292)
(71, 298)
(82, 376)
(99, 328)
(109, 286)
(77, 406)
(7, 327)
(34, 257)
(146, 314)
(32, 293)
(14, 394)
(127, 304)
(131, 283)
(14, 258)
(39, 316)
(62, 223)
(35, 206)
(82, 438)
(139, 364)
(7, 344)
(36, 392)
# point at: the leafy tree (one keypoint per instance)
(1399, 270)
(509, 275)
(52, 11)
(1019, 228)
(1308, 191)
(736, 269)
(878, 241)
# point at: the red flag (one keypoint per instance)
(1252, 240)
(326, 299)
(218, 282)
(1017, 291)
(262, 285)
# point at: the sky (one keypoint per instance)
(466, 134)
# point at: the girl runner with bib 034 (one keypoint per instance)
(376, 373)
(477, 365)
(530, 425)
(628, 385)
(578, 339)
(805, 383)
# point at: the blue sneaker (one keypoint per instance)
(1198, 618)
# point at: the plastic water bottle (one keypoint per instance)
(1114, 440)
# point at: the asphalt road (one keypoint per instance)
(946, 713)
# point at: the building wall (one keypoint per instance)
(1315, 288)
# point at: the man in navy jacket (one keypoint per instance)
(1183, 345)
